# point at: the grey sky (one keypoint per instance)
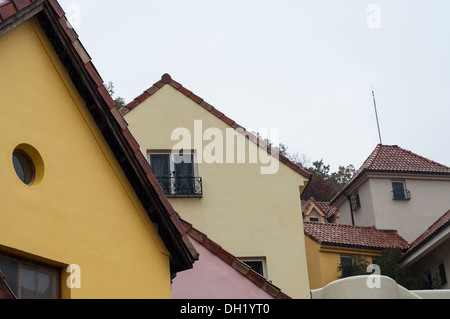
(305, 67)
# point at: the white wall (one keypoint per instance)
(429, 200)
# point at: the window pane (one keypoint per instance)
(442, 275)
(9, 268)
(256, 266)
(45, 286)
(399, 190)
(184, 173)
(160, 165)
(27, 284)
(23, 166)
(184, 165)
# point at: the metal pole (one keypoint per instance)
(376, 114)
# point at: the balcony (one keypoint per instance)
(181, 186)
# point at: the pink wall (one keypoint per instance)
(211, 278)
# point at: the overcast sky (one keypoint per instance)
(306, 68)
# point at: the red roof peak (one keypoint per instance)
(166, 79)
(394, 159)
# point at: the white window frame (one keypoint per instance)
(257, 259)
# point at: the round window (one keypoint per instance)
(27, 164)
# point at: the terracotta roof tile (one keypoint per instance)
(166, 79)
(234, 262)
(394, 159)
(437, 226)
(355, 236)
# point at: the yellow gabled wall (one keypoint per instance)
(323, 261)
(249, 214)
(84, 210)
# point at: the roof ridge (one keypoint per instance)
(354, 235)
(166, 79)
(234, 262)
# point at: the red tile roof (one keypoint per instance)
(235, 263)
(437, 226)
(394, 159)
(167, 80)
(112, 125)
(354, 236)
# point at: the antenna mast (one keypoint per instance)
(376, 114)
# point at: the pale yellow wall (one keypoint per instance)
(84, 211)
(249, 214)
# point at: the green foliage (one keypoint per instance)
(356, 267)
(120, 101)
(325, 185)
(389, 263)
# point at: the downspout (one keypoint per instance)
(351, 209)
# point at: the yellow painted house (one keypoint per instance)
(329, 244)
(82, 214)
(224, 181)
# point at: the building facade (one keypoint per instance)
(395, 189)
(328, 245)
(80, 208)
(226, 183)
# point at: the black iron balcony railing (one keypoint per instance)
(401, 194)
(181, 186)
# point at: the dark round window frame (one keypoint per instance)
(24, 158)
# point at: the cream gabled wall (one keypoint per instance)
(249, 214)
(84, 211)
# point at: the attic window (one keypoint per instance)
(257, 264)
(28, 164)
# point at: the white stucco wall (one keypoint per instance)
(429, 200)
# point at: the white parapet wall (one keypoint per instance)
(368, 287)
